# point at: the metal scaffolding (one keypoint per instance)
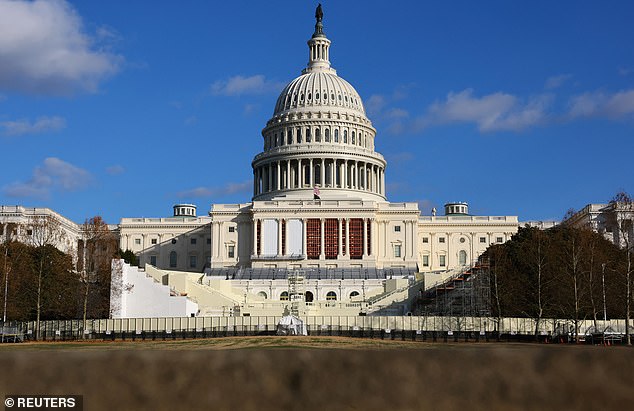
(466, 294)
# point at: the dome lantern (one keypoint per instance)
(318, 47)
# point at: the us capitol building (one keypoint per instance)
(319, 228)
(319, 235)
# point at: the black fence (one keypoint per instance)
(72, 331)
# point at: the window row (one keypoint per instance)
(309, 297)
(308, 134)
(192, 240)
(315, 96)
(462, 239)
(442, 259)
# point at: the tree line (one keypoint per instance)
(564, 272)
(40, 282)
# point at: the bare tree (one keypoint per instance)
(99, 247)
(42, 232)
(623, 217)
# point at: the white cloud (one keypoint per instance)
(227, 189)
(44, 49)
(601, 104)
(24, 126)
(492, 112)
(239, 85)
(556, 81)
(374, 104)
(115, 169)
(53, 174)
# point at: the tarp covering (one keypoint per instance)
(291, 325)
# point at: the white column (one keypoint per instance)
(279, 236)
(270, 177)
(305, 245)
(278, 177)
(300, 169)
(332, 172)
(323, 173)
(345, 175)
(311, 173)
(254, 246)
(288, 174)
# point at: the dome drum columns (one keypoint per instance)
(305, 173)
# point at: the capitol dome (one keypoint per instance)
(319, 142)
(318, 89)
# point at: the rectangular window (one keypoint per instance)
(425, 261)
(499, 239)
(313, 238)
(154, 241)
(231, 251)
(192, 241)
(397, 228)
(192, 261)
(153, 260)
(397, 251)
(425, 240)
(356, 238)
(441, 239)
(442, 260)
(208, 241)
(232, 229)
(331, 225)
(137, 241)
(483, 239)
(29, 232)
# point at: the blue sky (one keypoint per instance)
(122, 108)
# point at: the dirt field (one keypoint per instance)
(324, 373)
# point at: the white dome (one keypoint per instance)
(318, 89)
(319, 142)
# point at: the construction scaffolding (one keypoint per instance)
(296, 293)
(465, 294)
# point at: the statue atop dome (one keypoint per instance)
(319, 14)
(319, 27)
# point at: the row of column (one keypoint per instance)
(343, 237)
(307, 173)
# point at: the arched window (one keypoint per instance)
(317, 174)
(282, 138)
(317, 135)
(462, 257)
(327, 135)
(331, 296)
(289, 136)
(299, 135)
(173, 259)
(336, 135)
(284, 296)
(354, 294)
(345, 136)
(262, 294)
(309, 297)
(308, 135)
(354, 140)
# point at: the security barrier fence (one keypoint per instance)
(417, 328)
